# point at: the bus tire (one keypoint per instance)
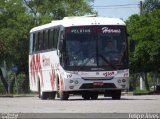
(63, 95)
(51, 95)
(85, 96)
(44, 95)
(39, 90)
(116, 94)
(94, 96)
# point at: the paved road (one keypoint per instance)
(128, 104)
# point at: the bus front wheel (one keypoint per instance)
(94, 96)
(116, 94)
(63, 95)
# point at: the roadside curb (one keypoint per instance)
(127, 93)
(12, 96)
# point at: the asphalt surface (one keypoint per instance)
(127, 104)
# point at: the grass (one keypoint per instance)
(145, 92)
(140, 92)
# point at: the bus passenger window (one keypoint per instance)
(36, 42)
(50, 39)
(56, 34)
(40, 44)
(31, 43)
(45, 40)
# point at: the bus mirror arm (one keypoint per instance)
(61, 45)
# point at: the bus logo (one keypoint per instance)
(107, 30)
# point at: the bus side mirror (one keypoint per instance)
(61, 42)
(61, 45)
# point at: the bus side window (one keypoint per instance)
(45, 40)
(33, 49)
(36, 42)
(54, 38)
(40, 37)
(50, 38)
(56, 35)
(31, 43)
(43, 33)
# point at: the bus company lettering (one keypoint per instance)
(80, 31)
(107, 30)
(46, 61)
(109, 73)
(69, 75)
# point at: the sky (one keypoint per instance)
(117, 8)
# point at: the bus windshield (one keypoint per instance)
(98, 46)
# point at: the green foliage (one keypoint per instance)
(138, 91)
(47, 10)
(144, 30)
(2, 89)
(150, 5)
(17, 17)
(19, 83)
(13, 31)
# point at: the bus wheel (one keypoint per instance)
(116, 94)
(51, 95)
(85, 96)
(63, 95)
(94, 96)
(44, 95)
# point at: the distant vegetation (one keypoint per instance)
(144, 37)
(17, 17)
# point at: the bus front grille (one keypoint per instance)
(92, 86)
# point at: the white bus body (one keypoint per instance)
(53, 69)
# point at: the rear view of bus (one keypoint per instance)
(91, 58)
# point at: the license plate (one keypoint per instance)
(98, 83)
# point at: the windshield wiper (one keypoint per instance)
(84, 64)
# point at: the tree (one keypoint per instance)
(48, 10)
(144, 30)
(14, 34)
(150, 5)
(17, 17)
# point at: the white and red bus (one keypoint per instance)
(79, 55)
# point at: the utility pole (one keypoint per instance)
(140, 7)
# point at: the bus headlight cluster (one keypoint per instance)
(121, 80)
(75, 82)
(71, 81)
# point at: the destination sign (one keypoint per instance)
(78, 30)
(81, 31)
(94, 29)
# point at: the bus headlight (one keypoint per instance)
(76, 82)
(124, 80)
(119, 81)
(71, 81)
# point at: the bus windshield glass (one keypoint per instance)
(96, 46)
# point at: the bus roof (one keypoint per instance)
(81, 21)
